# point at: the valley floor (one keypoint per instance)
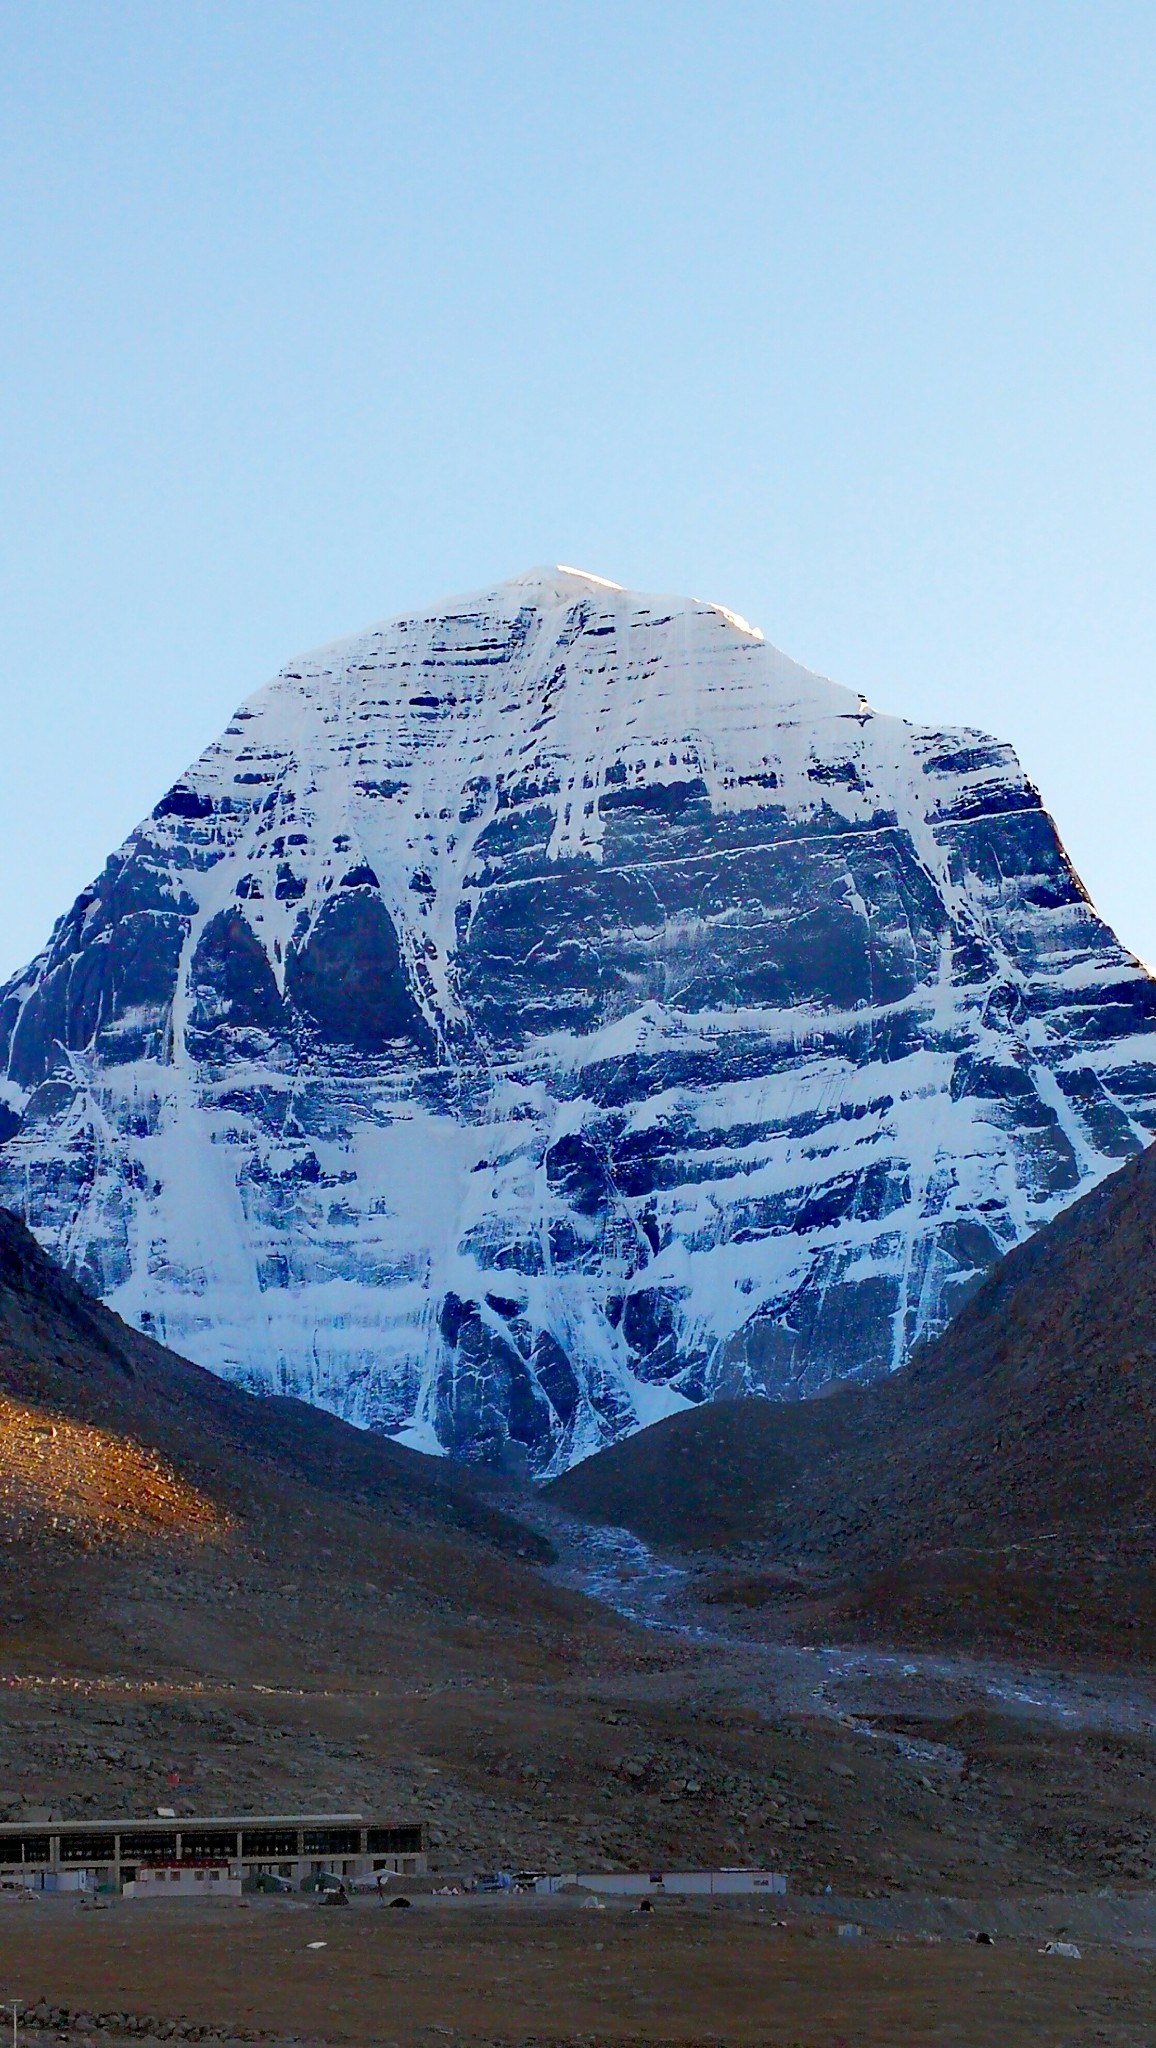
(529, 1725)
(549, 1972)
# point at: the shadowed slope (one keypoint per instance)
(712, 1477)
(1004, 1482)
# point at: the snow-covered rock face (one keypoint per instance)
(540, 1012)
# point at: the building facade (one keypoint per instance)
(291, 1846)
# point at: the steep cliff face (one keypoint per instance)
(555, 1007)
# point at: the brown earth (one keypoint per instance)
(549, 1973)
(998, 1492)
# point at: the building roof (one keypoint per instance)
(190, 1820)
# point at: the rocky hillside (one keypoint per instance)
(139, 1495)
(557, 1007)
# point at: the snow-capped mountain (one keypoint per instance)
(557, 1006)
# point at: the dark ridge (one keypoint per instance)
(66, 1354)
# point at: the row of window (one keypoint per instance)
(198, 1845)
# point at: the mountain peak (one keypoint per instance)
(561, 578)
(554, 1007)
(559, 584)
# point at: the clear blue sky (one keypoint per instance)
(841, 314)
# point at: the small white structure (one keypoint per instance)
(172, 1881)
(638, 1884)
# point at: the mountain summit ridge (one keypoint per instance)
(556, 1006)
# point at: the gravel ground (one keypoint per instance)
(551, 1972)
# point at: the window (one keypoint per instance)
(145, 1847)
(87, 1848)
(208, 1845)
(331, 1841)
(25, 1849)
(395, 1841)
(272, 1842)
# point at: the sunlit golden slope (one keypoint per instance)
(91, 1484)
